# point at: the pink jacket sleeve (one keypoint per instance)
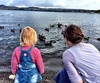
(37, 58)
(15, 60)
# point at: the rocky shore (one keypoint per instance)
(52, 66)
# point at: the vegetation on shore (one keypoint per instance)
(3, 7)
(97, 11)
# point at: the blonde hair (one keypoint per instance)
(28, 36)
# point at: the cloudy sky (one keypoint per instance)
(73, 4)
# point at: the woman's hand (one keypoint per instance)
(81, 81)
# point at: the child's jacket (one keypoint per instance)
(27, 71)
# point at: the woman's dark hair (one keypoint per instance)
(73, 33)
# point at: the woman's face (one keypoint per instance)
(68, 42)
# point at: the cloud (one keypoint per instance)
(45, 3)
(4, 1)
(74, 4)
(84, 4)
(89, 4)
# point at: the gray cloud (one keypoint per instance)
(45, 3)
(30, 3)
(77, 4)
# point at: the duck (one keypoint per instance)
(65, 25)
(13, 30)
(48, 43)
(18, 24)
(20, 30)
(59, 25)
(52, 25)
(98, 39)
(1, 27)
(41, 37)
(47, 29)
(86, 38)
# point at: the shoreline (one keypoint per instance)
(47, 77)
(52, 66)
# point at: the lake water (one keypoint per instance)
(90, 24)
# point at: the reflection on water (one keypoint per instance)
(90, 24)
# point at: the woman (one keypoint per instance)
(81, 60)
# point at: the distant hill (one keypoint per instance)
(3, 7)
(97, 11)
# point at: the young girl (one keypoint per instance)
(81, 60)
(26, 62)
